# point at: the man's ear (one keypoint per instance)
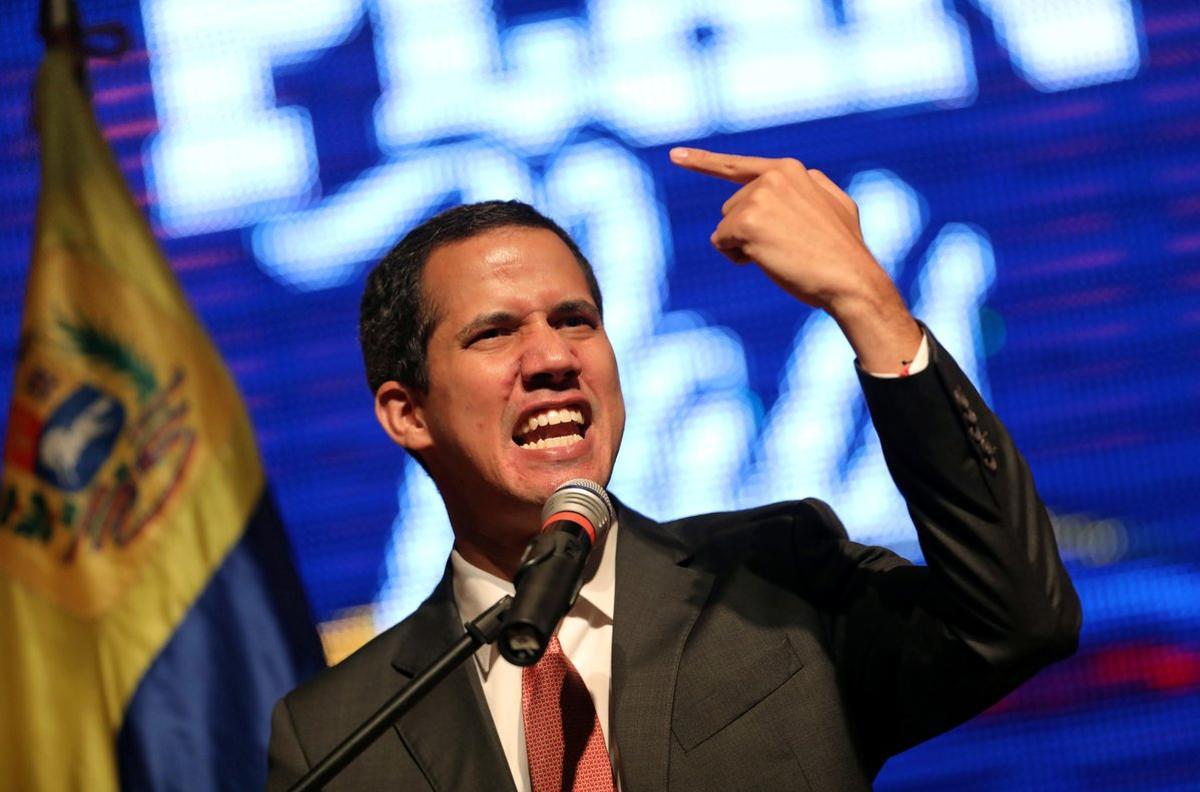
(400, 411)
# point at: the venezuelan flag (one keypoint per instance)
(149, 610)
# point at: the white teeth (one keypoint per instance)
(552, 418)
(555, 442)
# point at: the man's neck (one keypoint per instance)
(492, 535)
(499, 558)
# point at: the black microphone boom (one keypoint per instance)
(574, 520)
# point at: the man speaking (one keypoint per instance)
(748, 650)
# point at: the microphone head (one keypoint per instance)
(584, 498)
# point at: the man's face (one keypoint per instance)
(523, 385)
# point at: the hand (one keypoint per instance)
(795, 223)
(804, 233)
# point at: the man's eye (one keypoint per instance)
(493, 332)
(578, 321)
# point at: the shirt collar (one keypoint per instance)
(476, 590)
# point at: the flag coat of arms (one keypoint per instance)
(148, 604)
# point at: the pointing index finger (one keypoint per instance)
(731, 167)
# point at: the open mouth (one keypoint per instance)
(552, 428)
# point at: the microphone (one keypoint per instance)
(574, 520)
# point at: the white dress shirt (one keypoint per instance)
(585, 635)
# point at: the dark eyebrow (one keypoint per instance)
(500, 318)
(575, 307)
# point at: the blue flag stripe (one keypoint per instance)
(200, 718)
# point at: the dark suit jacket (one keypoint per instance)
(762, 649)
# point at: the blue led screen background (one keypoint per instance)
(1029, 173)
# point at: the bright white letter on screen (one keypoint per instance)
(225, 155)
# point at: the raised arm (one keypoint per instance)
(918, 649)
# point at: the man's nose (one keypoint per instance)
(548, 360)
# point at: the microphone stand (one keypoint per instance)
(483, 630)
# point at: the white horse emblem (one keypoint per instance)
(62, 446)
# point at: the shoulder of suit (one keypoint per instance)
(809, 514)
(799, 544)
(371, 660)
(807, 521)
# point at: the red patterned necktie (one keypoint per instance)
(563, 741)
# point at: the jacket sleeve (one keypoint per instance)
(285, 758)
(921, 649)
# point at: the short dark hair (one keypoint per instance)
(396, 317)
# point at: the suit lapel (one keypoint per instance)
(450, 733)
(658, 599)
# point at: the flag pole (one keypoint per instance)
(60, 27)
(58, 24)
